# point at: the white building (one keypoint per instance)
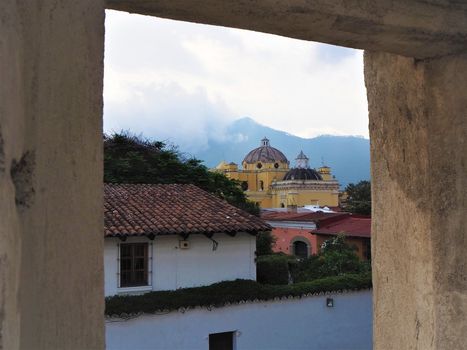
(331, 321)
(164, 237)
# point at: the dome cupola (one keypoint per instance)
(265, 154)
(301, 161)
(302, 170)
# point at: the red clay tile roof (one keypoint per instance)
(139, 209)
(303, 216)
(350, 225)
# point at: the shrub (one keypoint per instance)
(264, 243)
(307, 269)
(219, 294)
(272, 269)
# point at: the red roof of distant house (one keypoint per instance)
(303, 216)
(350, 225)
(140, 209)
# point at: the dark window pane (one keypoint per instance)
(221, 341)
(140, 263)
(125, 279)
(125, 250)
(125, 264)
(300, 249)
(133, 264)
(140, 277)
(139, 249)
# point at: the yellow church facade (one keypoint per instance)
(267, 179)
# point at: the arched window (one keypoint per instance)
(261, 185)
(300, 249)
(245, 185)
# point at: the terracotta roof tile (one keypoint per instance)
(140, 209)
(350, 225)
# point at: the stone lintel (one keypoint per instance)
(415, 28)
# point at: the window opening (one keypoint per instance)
(133, 264)
(300, 249)
(221, 341)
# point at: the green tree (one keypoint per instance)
(265, 241)
(359, 198)
(337, 257)
(134, 159)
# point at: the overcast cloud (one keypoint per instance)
(185, 82)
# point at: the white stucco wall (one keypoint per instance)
(291, 324)
(172, 267)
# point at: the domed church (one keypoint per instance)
(266, 178)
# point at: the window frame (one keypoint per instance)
(148, 267)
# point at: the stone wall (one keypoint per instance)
(51, 276)
(418, 130)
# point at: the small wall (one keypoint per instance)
(173, 268)
(286, 324)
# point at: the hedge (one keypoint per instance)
(220, 294)
(272, 269)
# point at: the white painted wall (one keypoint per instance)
(172, 267)
(291, 324)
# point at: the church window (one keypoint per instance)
(261, 185)
(245, 185)
(276, 165)
(259, 165)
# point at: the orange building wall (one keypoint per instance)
(286, 235)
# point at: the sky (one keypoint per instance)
(184, 83)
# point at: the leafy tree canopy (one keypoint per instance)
(359, 198)
(336, 257)
(134, 159)
(265, 241)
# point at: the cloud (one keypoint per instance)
(169, 113)
(185, 82)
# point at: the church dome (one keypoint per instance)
(265, 154)
(302, 174)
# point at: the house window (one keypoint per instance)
(221, 341)
(300, 249)
(133, 264)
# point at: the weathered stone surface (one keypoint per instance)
(51, 276)
(415, 28)
(51, 56)
(418, 135)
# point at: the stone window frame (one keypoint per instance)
(300, 239)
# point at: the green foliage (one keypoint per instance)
(359, 200)
(219, 294)
(133, 159)
(307, 269)
(264, 243)
(335, 258)
(273, 269)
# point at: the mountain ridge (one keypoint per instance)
(348, 156)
